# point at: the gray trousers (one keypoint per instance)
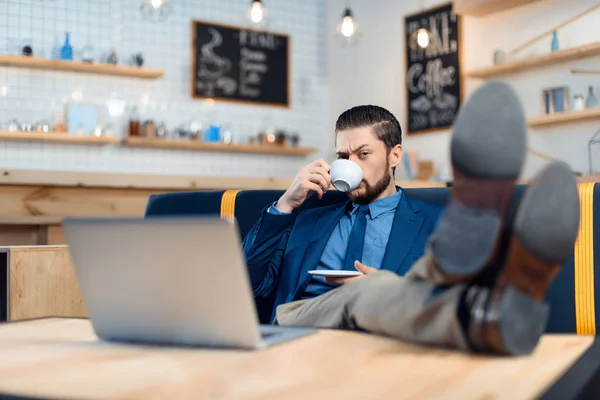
(412, 308)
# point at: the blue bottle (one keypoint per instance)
(66, 51)
(212, 133)
(591, 101)
(555, 44)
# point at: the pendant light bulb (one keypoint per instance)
(423, 38)
(347, 26)
(156, 4)
(257, 13)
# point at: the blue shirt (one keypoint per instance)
(379, 224)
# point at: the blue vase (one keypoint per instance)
(66, 51)
(212, 133)
(591, 101)
(555, 44)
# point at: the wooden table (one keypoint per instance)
(62, 358)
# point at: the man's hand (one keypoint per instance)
(313, 178)
(359, 267)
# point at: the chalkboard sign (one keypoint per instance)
(433, 81)
(239, 64)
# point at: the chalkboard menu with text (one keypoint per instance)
(239, 64)
(433, 80)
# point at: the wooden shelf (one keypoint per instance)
(544, 60)
(75, 66)
(565, 117)
(480, 8)
(57, 138)
(232, 148)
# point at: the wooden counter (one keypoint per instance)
(33, 203)
(37, 282)
(62, 358)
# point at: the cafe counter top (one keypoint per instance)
(33, 203)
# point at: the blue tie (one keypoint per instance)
(356, 241)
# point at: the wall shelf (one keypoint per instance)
(481, 8)
(565, 117)
(544, 60)
(202, 146)
(54, 137)
(75, 66)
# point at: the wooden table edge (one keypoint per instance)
(581, 380)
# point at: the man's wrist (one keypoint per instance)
(275, 211)
(283, 207)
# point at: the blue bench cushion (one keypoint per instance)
(571, 295)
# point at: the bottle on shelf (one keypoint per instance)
(149, 129)
(134, 123)
(578, 102)
(55, 52)
(66, 51)
(555, 43)
(59, 123)
(87, 53)
(591, 101)
(112, 57)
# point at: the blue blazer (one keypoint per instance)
(281, 249)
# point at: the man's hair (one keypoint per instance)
(385, 125)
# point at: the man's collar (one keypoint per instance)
(380, 206)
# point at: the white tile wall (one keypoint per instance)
(37, 95)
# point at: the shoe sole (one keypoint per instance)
(544, 233)
(487, 151)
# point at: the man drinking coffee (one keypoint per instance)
(281, 249)
(481, 281)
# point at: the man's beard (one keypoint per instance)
(372, 191)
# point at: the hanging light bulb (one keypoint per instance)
(348, 28)
(257, 13)
(423, 38)
(155, 9)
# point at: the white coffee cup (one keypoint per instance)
(346, 175)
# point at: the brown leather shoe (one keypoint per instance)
(508, 315)
(488, 150)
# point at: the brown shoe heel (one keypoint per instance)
(510, 316)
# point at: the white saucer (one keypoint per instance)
(334, 273)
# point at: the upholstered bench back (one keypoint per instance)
(571, 295)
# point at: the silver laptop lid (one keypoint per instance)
(164, 280)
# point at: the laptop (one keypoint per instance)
(169, 281)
